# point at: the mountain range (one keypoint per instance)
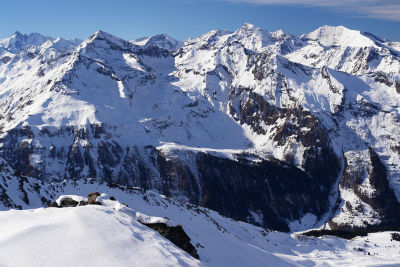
(285, 132)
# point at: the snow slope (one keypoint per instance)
(81, 237)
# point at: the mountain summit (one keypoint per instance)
(339, 36)
(18, 41)
(161, 40)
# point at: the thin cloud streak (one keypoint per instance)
(380, 9)
(388, 12)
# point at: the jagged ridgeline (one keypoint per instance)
(280, 131)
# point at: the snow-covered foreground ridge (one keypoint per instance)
(276, 130)
(114, 234)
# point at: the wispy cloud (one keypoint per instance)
(381, 9)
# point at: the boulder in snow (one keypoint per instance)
(92, 198)
(176, 235)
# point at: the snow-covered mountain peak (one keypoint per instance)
(61, 44)
(259, 40)
(250, 29)
(249, 26)
(346, 50)
(141, 41)
(165, 41)
(101, 41)
(253, 37)
(208, 38)
(278, 34)
(100, 35)
(339, 36)
(66, 44)
(161, 40)
(19, 41)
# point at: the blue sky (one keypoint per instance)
(182, 19)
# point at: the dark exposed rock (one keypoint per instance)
(25, 197)
(154, 51)
(5, 199)
(373, 55)
(176, 235)
(107, 157)
(261, 66)
(382, 78)
(104, 71)
(256, 110)
(98, 130)
(54, 205)
(354, 232)
(276, 190)
(75, 161)
(68, 202)
(19, 151)
(6, 59)
(92, 197)
(339, 233)
(40, 72)
(396, 236)
(397, 84)
(112, 198)
(84, 203)
(360, 60)
(382, 200)
(31, 55)
(327, 77)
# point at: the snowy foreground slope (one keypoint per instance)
(280, 131)
(111, 234)
(81, 237)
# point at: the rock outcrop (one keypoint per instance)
(176, 235)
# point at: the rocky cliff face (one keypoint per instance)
(263, 127)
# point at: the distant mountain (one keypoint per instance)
(162, 40)
(18, 41)
(284, 132)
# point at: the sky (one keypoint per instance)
(183, 19)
